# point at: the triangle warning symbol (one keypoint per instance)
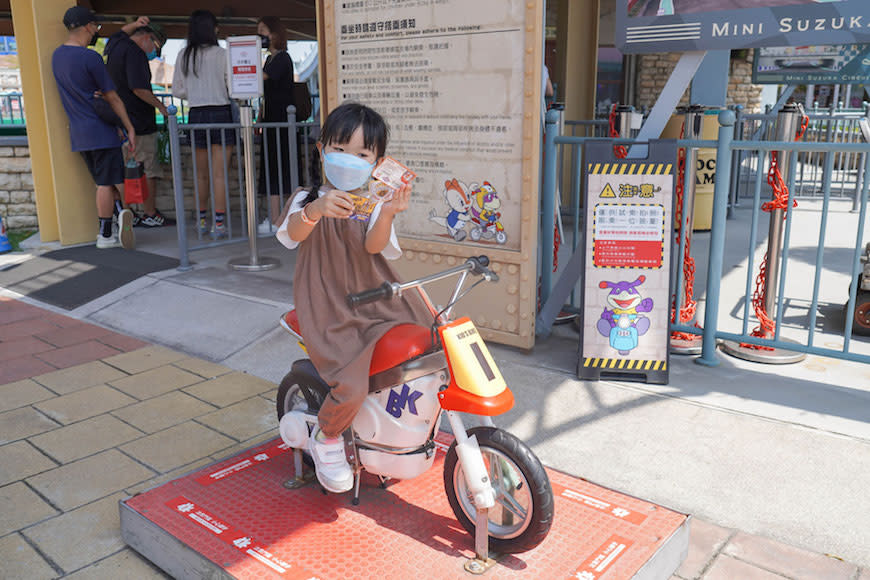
(608, 192)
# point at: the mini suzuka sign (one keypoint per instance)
(628, 242)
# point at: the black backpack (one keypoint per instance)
(302, 101)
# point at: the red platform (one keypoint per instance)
(235, 519)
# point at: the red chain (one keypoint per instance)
(767, 326)
(557, 241)
(619, 150)
(687, 310)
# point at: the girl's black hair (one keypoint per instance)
(200, 34)
(339, 128)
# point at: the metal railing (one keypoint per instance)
(825, 126)
(799, 305)
(221, 170)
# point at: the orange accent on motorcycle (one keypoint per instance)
(476, 385)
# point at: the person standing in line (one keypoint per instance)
(82, 78)
(277, 96)
(128, 53)
(201, 78)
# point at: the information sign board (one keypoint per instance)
(459, 83)
(626, 290)
(244, 70)
(644, 26)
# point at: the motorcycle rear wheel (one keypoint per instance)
(523, 513)
(301, 389)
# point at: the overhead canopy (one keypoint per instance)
(234, 16)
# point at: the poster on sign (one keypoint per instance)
(838, 64)
(243, 67)
(644, 26)
(626, 300)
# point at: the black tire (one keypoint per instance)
(861, 319)
(529, 492)
(301, 389)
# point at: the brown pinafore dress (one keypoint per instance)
(331, 264)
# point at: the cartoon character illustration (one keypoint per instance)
(622, 324)
(456, 195)
(484, 214)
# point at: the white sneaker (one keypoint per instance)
(107, 242)
(265, 228)
(333, 470)
(125, 229)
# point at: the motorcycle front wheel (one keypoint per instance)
(523, 511)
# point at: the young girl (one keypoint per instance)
(201, 78)
(338, 256)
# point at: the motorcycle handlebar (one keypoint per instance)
(477, 265)
(383, 291)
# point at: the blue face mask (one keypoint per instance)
(345, 171)
(152, 55)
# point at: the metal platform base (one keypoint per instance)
(235, 519)
(261, 264)
(777, 356)
(686, 347)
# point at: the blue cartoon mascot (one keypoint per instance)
(621, 322)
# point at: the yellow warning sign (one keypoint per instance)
(608, 192)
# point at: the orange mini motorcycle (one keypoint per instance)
(495, 485)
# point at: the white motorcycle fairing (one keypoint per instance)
(403, 417)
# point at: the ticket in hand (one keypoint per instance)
(393, 174)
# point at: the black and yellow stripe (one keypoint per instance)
(631, 168)
(625, 364)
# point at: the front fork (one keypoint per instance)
(477, 479)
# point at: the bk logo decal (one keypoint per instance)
(398, 401)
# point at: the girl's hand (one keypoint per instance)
(399, 202)
(334, 204)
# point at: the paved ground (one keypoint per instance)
(177, 370)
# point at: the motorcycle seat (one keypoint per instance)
(401, 343)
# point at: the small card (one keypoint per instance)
(393, 173)
(388, 177)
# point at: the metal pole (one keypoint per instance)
(786, 127)
(692, 130)
(717, 238)
(548, 204)
(178, 188)
(294, 152)
(253, 263)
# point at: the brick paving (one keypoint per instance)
(89, 416)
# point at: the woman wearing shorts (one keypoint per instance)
(201, 78)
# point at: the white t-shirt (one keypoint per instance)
(392, 251)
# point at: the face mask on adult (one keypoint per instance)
(345, 171)
(94, 39)
(265, 41)
(152, 55)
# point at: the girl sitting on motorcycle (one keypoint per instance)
(338, 256)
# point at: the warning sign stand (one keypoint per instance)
(626, 300)
(236, 519)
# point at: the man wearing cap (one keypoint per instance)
(80, 75)
(128, 52)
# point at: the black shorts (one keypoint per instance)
(212, 114)
(106, 165)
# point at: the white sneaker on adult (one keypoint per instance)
(333, 470)
(107, 242)
(125, 229)
(265, 228)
